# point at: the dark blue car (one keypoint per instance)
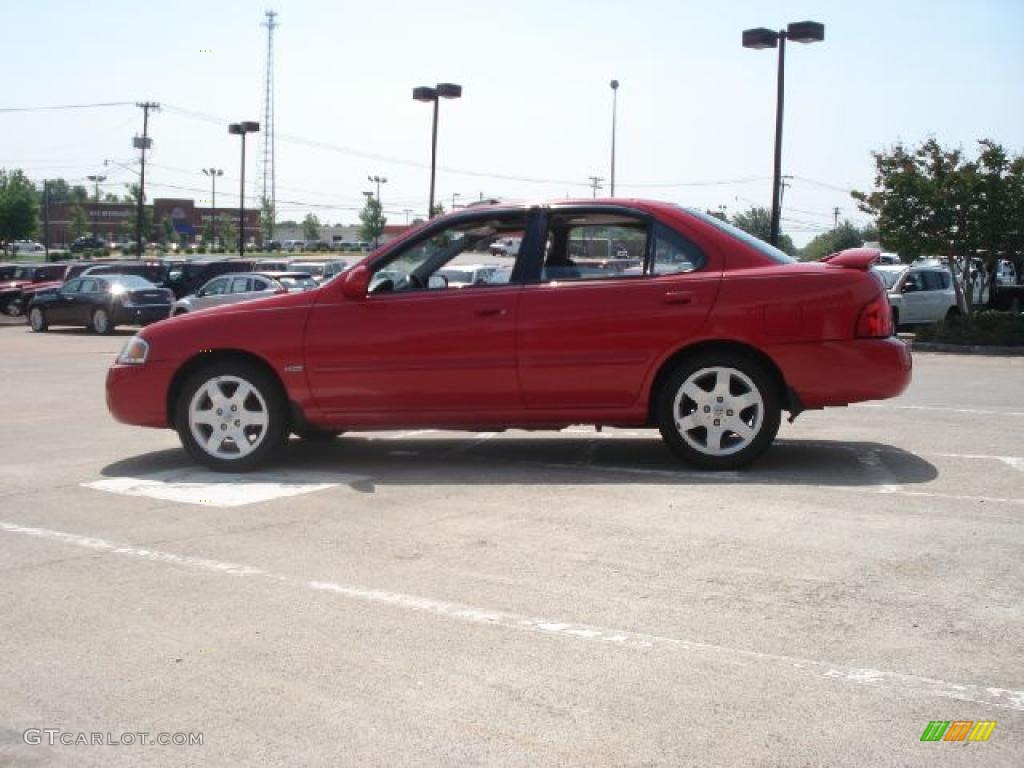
(101, 302)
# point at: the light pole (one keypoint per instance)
(407, 211)
(241, 129)
(615, 104)
(799, 32)
(213, 173)
(455, 195)
(427, 94)
(96, 179)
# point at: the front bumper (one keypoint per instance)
(137, 394)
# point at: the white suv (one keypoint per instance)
(919, 294)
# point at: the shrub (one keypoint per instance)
(986, 328)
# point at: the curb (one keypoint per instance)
(966, 349)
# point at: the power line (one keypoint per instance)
(68, 106)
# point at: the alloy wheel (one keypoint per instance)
(718, 411)
(228, 417)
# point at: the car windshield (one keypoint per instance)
(457, 275)
(297, 283)
(890, 276)
(770, 251)
(131, 282)
(24, 273)
(313, 269)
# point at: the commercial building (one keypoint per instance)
(116, 221)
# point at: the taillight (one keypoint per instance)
(875, 321)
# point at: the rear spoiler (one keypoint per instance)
(853, 258)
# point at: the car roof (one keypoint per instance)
(275, 274)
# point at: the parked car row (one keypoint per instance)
(20, 283)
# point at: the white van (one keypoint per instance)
(293, 245)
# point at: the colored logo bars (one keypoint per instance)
(958, 730)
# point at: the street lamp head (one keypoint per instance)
(760, 38)
(805, 32)
(615, 85)
(250, 126)
(235, 128)
(449, 90)
(424, 93)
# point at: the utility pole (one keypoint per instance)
(142, 144)
(454, 195)
(407, 211)
(835, 213)
(595, 184)
(783, 185)
(46, 217)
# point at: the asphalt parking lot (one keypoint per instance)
(573, 598)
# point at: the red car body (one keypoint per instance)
(537, 354)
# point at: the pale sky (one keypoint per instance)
(695, 108)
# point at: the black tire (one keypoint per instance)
(268, 388)
(953, 312)
(100, 322)
(749, 378)
(315, 435)
(37, 320)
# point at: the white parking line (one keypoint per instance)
(215, 489)
(978, 411)
(986, 695)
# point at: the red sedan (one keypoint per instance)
(708, 337)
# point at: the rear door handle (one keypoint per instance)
(491, 312)
(678, 297)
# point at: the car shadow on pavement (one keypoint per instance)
(594, 460)
(120, 331)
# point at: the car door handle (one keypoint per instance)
(678, 297)
(491, 312)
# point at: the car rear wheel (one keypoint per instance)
(101, 323)
(719, 411)
(230, 416)
(37, 320)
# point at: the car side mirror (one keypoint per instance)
(437, 281)
(356, 283)
(908, 288)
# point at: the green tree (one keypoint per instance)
(311, 227)
(718, 213)
(19, 206)
(372, 220)
(147, 215)
(267, 217)
(846, 235)
(227, 233)
(935, 201)
(437, 210)
(757, 221)
(79, 224)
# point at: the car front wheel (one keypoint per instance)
(231, 416)
(37, 320)
(719, 411)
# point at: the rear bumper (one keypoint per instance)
(843, 372)
(137, 394)
(142, 315)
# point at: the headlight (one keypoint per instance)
(135, 352)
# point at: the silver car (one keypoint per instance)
(243, 286)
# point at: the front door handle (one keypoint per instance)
(491, 312)
(678, 297)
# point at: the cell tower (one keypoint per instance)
(266, 173)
